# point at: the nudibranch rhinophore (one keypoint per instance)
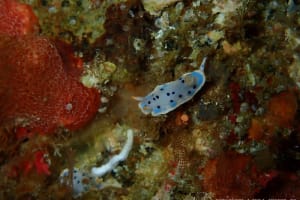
(167, 97)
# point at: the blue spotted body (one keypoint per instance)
(166, 97)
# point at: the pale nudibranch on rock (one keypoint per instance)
(168, 96)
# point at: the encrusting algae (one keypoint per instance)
(70, 129)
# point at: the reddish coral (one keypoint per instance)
(37, 91)
(282, 109)
(265, 178)
(234, 94)
(31, 162)
(238, 96)
(229, 176)
(24, 167)
(17, 18)
(281, 112)
(73, 65)
(42, 167)
(285, 186)
(256, 130)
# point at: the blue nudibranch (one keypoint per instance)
(167, 97)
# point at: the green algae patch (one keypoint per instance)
(83, 20)
(150, 172)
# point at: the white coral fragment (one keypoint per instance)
(155, 6)
(294, 70)
(225, 9)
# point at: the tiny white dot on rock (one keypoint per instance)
(69, 106)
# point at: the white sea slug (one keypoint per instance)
(84, 181)
(167, 97)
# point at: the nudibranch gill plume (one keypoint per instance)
(168, 96)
